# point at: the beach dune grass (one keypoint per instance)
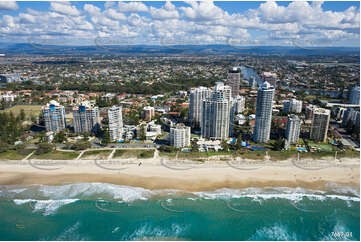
(134, 153)
(257, 155)
(56, 155)
(101, 154)
(15, 154)
(282, 155)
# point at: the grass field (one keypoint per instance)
(30, 110)
(132, 153)
(56, 155)
(323, 146)
(101, 154)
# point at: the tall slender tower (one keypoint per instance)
(115, 123)
(54, 116)
(86, 118)
(262, 128)
(233, 80)
(355, 95)
(293, 128)
(216, 113)
(320, 122)
(197, 95)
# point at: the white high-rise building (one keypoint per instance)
(197, 95)
(293, 128)
(239, 104)
(86, 117)
(54, 116)
(320, 121)
(355, 95)
(292, 106)
(148, 113)
(233, 80)
(8, 97)
(350, 115)
(262, 128)
(216, 113)
(180, 136)
(115, 123)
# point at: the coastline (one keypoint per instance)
(157, 174)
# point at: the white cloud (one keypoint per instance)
(198, 22)
(113, 14)
(8, 5)
(201, 11)
(132, 7)
(168, 11)
(27, 17)
(91, 9)
(64, 8)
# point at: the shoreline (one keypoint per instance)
(187, 176)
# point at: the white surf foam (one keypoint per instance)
(48, 207)
(276, 232)
(257, 194)
(148, 232)
(79, 190)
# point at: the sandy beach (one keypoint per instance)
(185, 175)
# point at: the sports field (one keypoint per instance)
(30, 110)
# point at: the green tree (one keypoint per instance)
(142, 132)
(279, 144)
(105, 137)
(22, 115)
(44, 148)
(225, 145)
(166, 148)
(3, 147)
(239, 142)
(81, 145)
(60, 137)
(194, 145)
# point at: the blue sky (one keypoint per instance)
(232, 23)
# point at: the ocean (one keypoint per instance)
(101, 211)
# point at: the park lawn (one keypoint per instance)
(101, 154)
(323, 146)
(30, 110)
(195, 136)
(56, 155)
(310, 97)
(134, 153)
(300, 141)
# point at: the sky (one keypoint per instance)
(166, 23)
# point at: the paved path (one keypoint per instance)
(111, 154)
(156, 154)
(80, 155)
(28, 156)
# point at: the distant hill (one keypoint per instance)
(28, 48)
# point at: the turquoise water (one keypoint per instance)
(99, 211)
